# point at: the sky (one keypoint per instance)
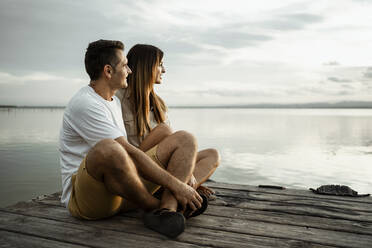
(216, 52)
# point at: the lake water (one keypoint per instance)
(297, 148)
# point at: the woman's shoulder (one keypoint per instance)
(120, 93)
(123, 94)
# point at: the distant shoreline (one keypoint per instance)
(313, 105)
(342, 105)
(31, 107)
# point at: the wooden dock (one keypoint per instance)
(241, 216)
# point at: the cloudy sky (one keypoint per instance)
(216, 52)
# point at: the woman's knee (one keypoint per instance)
(163, 129)
(215, 156)
(185, 138)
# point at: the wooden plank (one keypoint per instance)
(294, 192)
(353, 219)
(346, 226)
(253, 214)
(312, 216)
(294, 199)
(324, 231)
(15, 240)
(288, 192)
(296, 209)
(291, 219)
(195, 235)
(260, 228)
(316, 210)
(80, 234)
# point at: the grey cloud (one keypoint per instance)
(188, 15)
(368, 73)
(233, 39)
(232, 92)
(51, 35)
(324, 91)
(291, 22)
(332, 63)
(347, 86)
(343, 93)
(172, 47)
(235, 35)
(313, 90)
(363, 1)
(339, 80)
(37, 89)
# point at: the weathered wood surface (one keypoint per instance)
(241, 216)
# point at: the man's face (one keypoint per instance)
(121, 72)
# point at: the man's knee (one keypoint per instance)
(106, 149)
(104, 156)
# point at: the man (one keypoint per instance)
(101, 172)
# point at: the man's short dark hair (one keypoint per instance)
(100, 53)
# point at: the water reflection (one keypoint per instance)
(298, 148)
(29, 125)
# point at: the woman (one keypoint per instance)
(145, 113)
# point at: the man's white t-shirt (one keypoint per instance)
(88, 118)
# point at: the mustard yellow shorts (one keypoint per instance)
(91, 200)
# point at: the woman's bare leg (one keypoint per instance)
(156, 135)
(175, 152)
(207, 162)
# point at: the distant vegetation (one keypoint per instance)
(44, 107)
(346, 104)
(319, 105)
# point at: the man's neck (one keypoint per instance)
(102, 89)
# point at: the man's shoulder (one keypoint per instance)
(82, 101)
(116, 100)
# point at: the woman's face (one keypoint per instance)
(159, 72)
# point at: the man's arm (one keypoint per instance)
(154, 173)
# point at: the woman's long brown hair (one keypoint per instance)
(143, 61)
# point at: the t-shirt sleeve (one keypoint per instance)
(93, 124)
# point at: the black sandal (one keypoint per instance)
(164, 221)
(188, 212)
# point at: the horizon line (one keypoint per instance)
(312, 105)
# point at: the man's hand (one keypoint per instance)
(186, 195)
(192, 182)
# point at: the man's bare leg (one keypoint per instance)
(109, 163)
(178, 152)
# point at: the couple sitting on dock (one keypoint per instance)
(117, 149)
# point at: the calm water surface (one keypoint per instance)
(298, 148)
